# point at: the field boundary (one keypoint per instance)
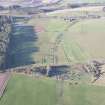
(5, 82)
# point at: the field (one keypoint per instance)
(24, 90)
(84, 95)
(80, 42)
(47, 31)
(73, 42)
(89, 34)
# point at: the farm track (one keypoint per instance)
(59, 91)
(60, 83)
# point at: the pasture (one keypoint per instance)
(80, 42)
(90, 35)
(68, 48)
(25, 90)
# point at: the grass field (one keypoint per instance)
(51, 29)
(24, 90)
(90, 35)
(84, 95)
(83, 41)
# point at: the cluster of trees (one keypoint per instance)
(5, 29)
(4, 21)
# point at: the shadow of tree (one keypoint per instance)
(22, 46)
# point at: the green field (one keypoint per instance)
(24, 90)
(90, 35)
(80, 42)
(51, 29)
(84, 95)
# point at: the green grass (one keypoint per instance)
(83, 41)
(74, 52)
(24, 90)
(53, 28)
(84, 95)
(89, 34)
(89, 26)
